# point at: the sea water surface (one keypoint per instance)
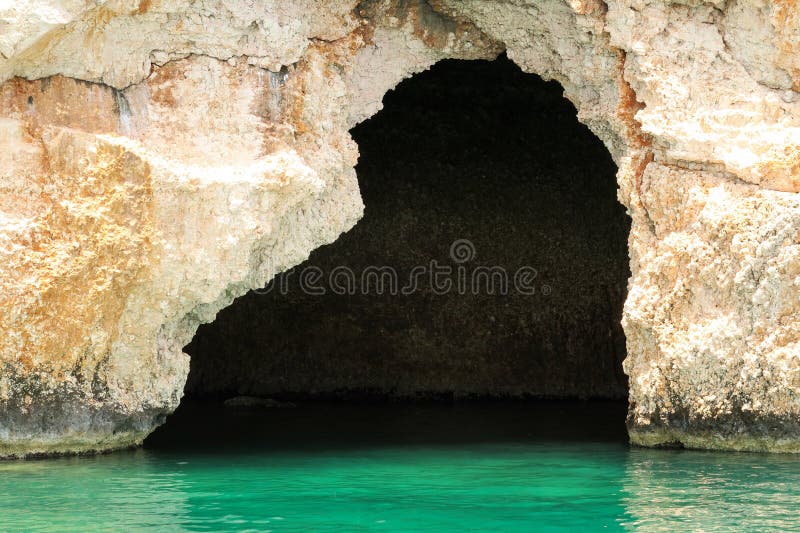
(391, 467)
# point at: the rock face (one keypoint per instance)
(161, 157)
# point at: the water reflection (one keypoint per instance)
(92, 493)
(665, 490)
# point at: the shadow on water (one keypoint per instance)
(488, 466)
(207, 425)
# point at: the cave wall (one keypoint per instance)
(162, 157)
(471, 152)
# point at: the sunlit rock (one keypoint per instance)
(159, 158)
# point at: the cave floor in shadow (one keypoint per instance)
(485, 466)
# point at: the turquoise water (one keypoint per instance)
(494, 467)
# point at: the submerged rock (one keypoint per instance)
(255, 401)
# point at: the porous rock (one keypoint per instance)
(159, 158)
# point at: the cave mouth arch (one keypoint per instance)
(475, 154)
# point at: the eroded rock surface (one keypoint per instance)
(160, 157)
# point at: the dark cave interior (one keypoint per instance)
(475, 153)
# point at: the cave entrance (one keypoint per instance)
(475, 167)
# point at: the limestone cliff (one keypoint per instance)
(160, 157)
